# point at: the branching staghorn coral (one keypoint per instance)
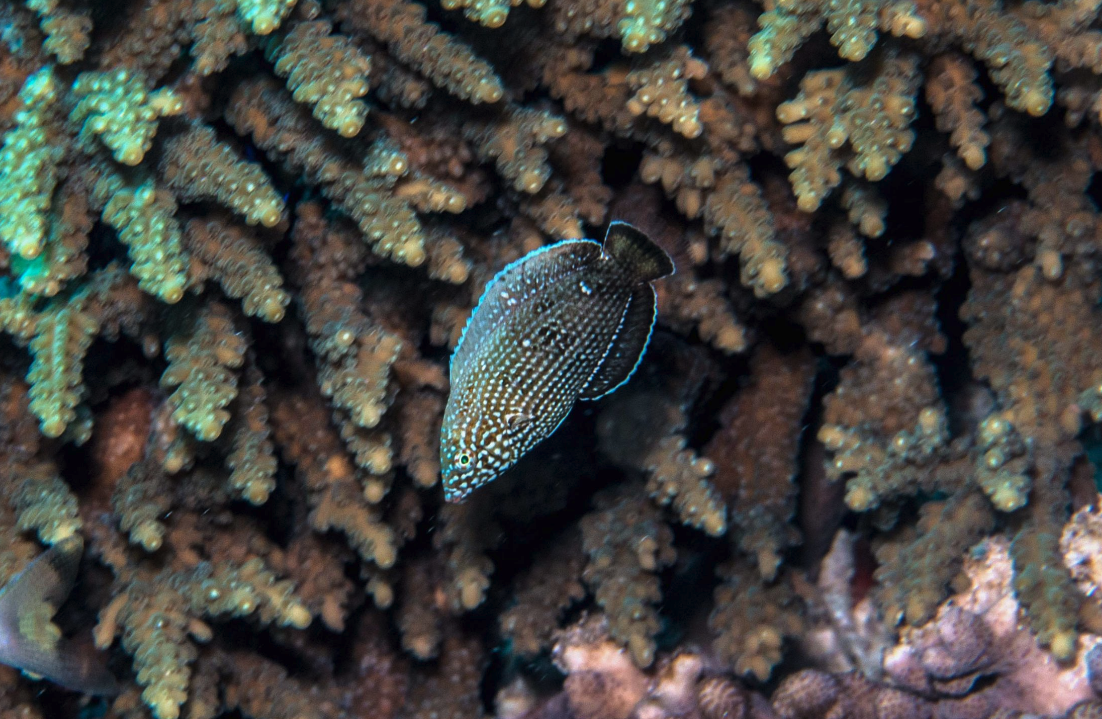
(287, 210)
(38, 499)
(1018, 62)
(467, 535)
(235, 258)
(63, 255)
(732, 207)
(418, 613)
(366, 193)
(914, 570)
(252, 459)
(32, 150)
(687, 302)
(63, 334)
(159, 614)
(952, 93)
(116, 108)
(327, 71)
(1044, 585)
(627, 544)
(900, 437)
(330, 478)
(43, 502)
(143, 215)
(752, 618)
(542, 596)
(853, 29)
(755, 453)
(661, 91)
(445, 61)
(67, 30)
(198, 166)
(867, 128)
(420, 436)
(644, 430)
(263, 16)
(450, 689)
(141, 499)
(491, 13)
(516, 145)
(680, 477)
(202, 369)
(638, 24)
(1031, 379)
(355, 354)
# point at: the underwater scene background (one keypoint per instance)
(853, 477)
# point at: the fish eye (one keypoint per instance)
(464, 460)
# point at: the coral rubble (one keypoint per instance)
(853, 476)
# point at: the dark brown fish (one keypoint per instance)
(30, 641)
(566, 322)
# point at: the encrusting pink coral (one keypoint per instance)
(979, 633)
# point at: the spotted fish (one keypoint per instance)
(566, 322)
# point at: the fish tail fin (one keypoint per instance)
(45, 582)
(30, 641)
(631, 246)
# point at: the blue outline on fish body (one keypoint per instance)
(565, 322)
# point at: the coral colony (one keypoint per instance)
(852, 476)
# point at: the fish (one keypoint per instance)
(569, 321)
(31, 642)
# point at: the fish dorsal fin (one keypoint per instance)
(627, 347)
(28, 638)
(634, 249)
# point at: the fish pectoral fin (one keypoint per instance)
(517, 419)
(628, 345)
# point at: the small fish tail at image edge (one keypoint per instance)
(48, 579)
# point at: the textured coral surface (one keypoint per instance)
(852, 477)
